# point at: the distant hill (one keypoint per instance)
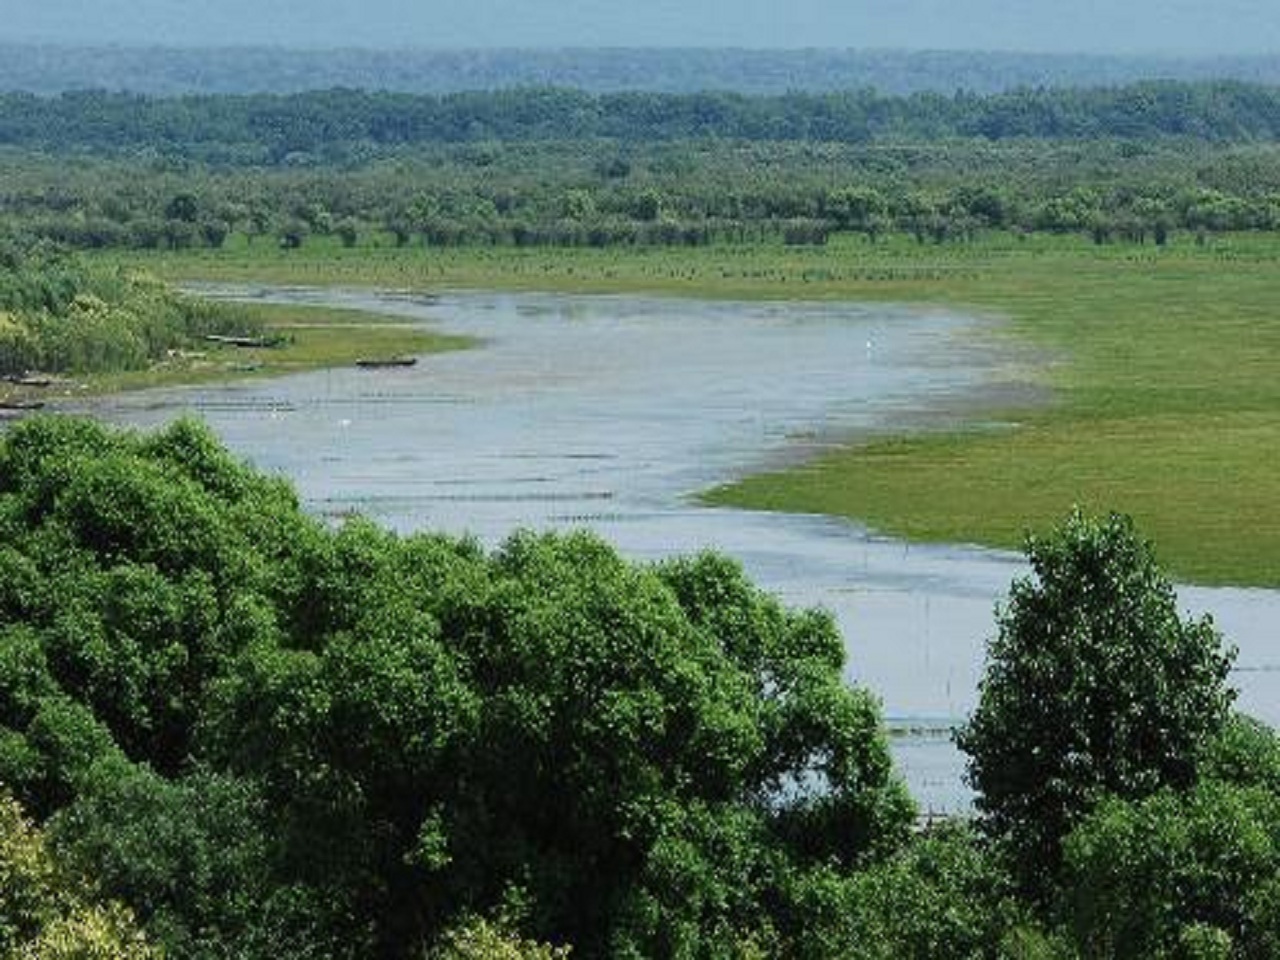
(165, 71)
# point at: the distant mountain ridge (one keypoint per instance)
(50, 69)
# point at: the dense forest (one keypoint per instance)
(50, 69)
(560, 167)
(227, 729)
(270, 126)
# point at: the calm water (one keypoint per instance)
(609, 412)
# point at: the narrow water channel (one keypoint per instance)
(611, 412)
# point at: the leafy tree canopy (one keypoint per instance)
(1095, 686)
(345, 742)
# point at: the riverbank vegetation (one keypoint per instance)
(69, 328)
(59, 315)
(246, 733)
(296, 338)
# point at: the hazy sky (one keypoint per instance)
(1100, 26)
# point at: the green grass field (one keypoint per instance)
(1162, 370)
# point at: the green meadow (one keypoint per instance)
(1146, 380)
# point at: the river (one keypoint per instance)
(611, 412)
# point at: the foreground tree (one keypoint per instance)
(274, 739)
(1094, 686)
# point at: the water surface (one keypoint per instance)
(611, 412)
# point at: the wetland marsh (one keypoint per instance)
(615, 412)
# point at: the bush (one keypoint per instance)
(1191, 875)
(45, 913)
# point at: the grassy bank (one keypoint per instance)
(1163, 368)
(303, 337)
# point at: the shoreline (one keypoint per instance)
(1162, 382)
(316, 337)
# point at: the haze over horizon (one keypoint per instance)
(1175, 27)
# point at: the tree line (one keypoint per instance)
(604, 193)
(544, 167)
(270, 128)
(227, 729)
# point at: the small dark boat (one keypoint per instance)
(22, 405)
(236, 341)
(30, 380)
(380, 363)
